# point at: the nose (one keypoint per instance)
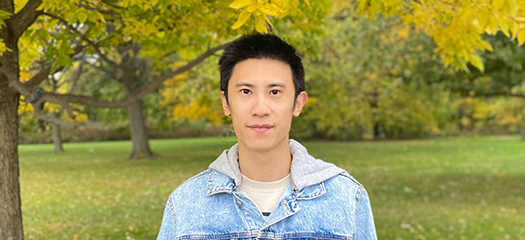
(260, 107)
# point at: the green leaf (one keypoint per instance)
(475, 59)
(62, 61)
(82, 16)
(3, 16)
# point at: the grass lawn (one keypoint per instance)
(452, 188)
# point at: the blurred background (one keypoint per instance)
(422, 102)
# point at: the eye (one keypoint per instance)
(275, 92)
(245, 91)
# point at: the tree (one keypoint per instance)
(502, 74)
(93, 27)
(369, 80)
(456, 26)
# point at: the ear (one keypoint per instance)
(299, 103)
(225, 106)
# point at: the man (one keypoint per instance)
(266, 186)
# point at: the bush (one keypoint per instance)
(122, 133)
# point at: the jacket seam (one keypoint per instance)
(357, 196)
(302, 235)
(309, 197)
(173, 212)
(249, 234)
(196, 176)
(210, 178)
(347, 175)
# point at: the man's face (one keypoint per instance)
(261, 98)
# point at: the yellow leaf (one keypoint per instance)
(497, 4)
(370, 75)
(24, 76)
(475, 59)
(81, 117)
(177, 64)
(268, 21)
(520, 19)
(271, 9)
(504, 27)
(483, 19)
(238, 4)
(243, 17)
(403, 33)
(260, 24)
(252, 8)
(3, 48)
(51, 107)
(371, 13)
(521, 37)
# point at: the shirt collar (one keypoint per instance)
(305, 171)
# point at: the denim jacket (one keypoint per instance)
(322, 202)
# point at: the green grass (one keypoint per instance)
(453, 188)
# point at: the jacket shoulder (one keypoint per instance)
(345, 185)
(199, 181)
(346, 175)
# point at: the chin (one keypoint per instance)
(261, 144)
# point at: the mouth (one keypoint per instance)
(260, 128)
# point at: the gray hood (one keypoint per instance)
(305, 170)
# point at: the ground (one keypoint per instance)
(446, 188)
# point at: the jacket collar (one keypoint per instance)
(305, 171)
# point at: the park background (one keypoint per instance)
(117, 102)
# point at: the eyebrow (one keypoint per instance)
(243, 84)
(277, 85)
(271, 85)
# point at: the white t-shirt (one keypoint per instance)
(265, 195)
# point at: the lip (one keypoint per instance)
(260, 128)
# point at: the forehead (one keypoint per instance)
(261, 71)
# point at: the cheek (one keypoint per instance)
(284, 106)
(238, 111)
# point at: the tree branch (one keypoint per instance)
(84, 37)
(64, 100)
(75, 78)
(160, 79)
(95, 102)
(500, 94)
(51, 119)
(113, 5)
(42, 75)
(23, 19)
(88, 6)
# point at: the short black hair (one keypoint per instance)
(260, 46)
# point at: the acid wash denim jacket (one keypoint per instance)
(322, 202)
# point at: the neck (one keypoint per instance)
(265, 166)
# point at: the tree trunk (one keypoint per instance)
(41, 124)
(461, 114)
(57, 138)
(374, 105)
(139, 137)
(377, 132)
(133, 78)
(10, 203)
